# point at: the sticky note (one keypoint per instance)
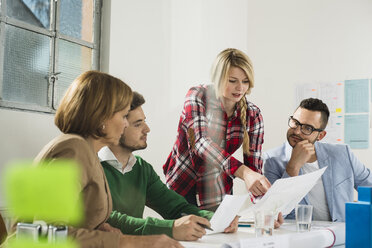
(48, 191)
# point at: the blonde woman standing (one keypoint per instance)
(216, 120)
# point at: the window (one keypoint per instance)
(45, 44)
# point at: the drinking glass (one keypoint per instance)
(304, 215)
(264, 223)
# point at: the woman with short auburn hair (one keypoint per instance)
(86, 104)
(92, 114)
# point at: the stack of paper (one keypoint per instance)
(283, 196)
(286, 193)
(226, 212)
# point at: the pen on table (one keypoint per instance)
(200, 224)
(244, 225)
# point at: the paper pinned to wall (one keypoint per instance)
(335, 129)
(357, 131)
(357, 96)
(306, 91)
(331, 93)
(344, 100)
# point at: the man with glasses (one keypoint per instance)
(302, 154)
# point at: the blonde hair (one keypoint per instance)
(226, 59)
(92, 98)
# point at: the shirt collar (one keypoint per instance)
(105, 154)
(216, 104)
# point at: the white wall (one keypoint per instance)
(163, 47)
(167, 46)
(306, 41)
(22, 135)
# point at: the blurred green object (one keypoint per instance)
(23, 243)
(47, 191)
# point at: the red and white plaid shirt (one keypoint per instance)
(205, 142)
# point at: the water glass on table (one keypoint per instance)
(264, 222)
(304, 214)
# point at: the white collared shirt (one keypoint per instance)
(105, 154)
(317, 196)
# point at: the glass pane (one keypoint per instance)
(35, 12)
(73, 60)
(76, 19)
(26, 66)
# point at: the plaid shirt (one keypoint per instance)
(206, 139)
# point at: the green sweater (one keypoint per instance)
(139, 187)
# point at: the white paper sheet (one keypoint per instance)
(286, 193)
(278, 241)
(226, 212)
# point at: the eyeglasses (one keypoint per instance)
(305, 129)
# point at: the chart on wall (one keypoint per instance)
(348, 102)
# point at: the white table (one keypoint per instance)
(322, 234)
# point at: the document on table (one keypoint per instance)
(286, 193)
(261, 242)
(226, 212)
(266, 242)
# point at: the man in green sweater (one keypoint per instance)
(134, 183)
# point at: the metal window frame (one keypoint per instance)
(54, 34)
